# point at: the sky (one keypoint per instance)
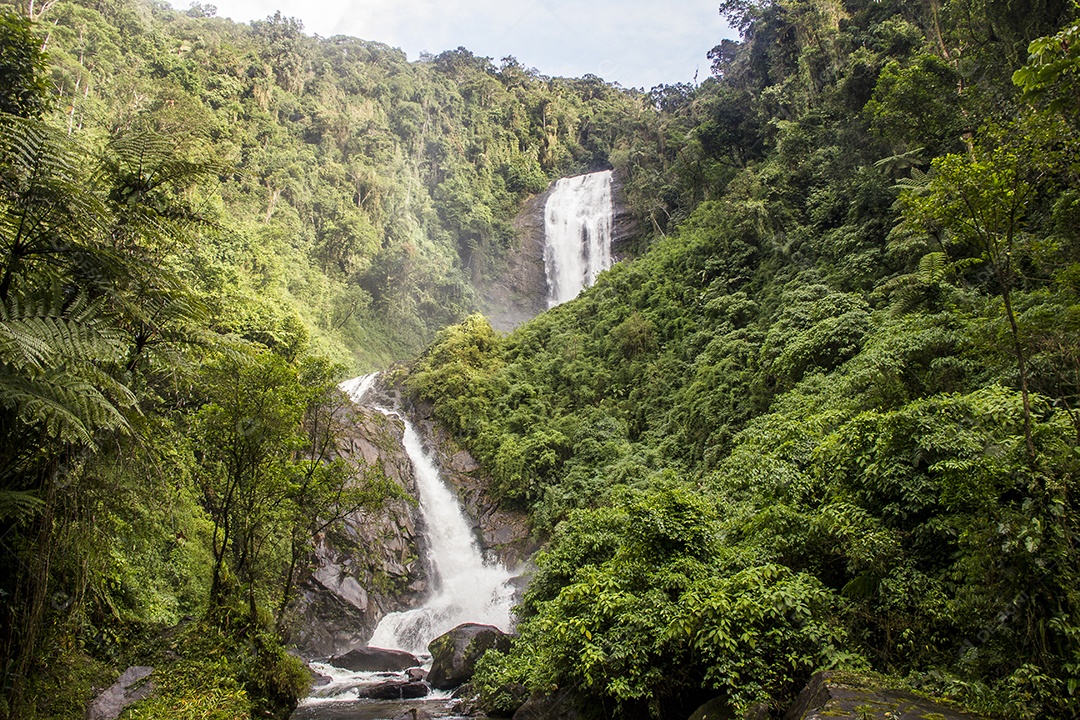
(636, 43)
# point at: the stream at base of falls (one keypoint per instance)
(467, 588)
(337, 700)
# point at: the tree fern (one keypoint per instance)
(932, 267)
(48, 214)
(54, 363)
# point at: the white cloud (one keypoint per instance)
(639, 43)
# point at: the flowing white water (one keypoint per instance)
(468, 589)
(577, 234)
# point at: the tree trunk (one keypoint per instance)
(1021, 365)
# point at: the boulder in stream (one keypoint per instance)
(454, 654)
(372, 659)
(397, 690)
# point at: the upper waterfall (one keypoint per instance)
(577, 234)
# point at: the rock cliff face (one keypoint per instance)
(502, 534)
(372, 563)
(624, 228)
(520, 292)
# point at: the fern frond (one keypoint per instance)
(933, 267)
(917, 181)
(53, 365)
(19, 503)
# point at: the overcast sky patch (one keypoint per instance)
(636, 43)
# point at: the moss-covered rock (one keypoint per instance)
(836, 695)
(454, 654)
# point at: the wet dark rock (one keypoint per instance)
(454, 654)
(133, 685)
(412, 690)
(319, 680)
(842, 695)
(397, 690)
(371, 659)
(417, 673)
(557, 706)
(518, 291)
(717, 709)
(625, 230)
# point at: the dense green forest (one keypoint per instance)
(830, 418)
(204, 226)
(827, 418)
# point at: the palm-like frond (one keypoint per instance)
(54, 366)
(917, 181)
(932, 267)
(47, 211)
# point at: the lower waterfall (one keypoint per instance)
(577, 234)
(467, 588)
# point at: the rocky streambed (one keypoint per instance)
(381, 684)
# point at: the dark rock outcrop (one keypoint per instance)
(624, 228)
(369, 565)
(133, 685)
(840, 695)
(519, 292)
(397, 690)
(372, 659)
(557, 706)
(454, 654)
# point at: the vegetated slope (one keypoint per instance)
(830, 419)
(203, 227)
(363, 193)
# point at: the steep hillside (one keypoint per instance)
(828, 419)
(204, 226)
(360, 193)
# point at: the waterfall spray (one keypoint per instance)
(467, 588)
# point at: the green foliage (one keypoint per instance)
(119, 396)
(869, 404)
(810, 426)
(201, 672)
(365, 194)
(1052, 68)
(649, 620)
(22, 68)
(918, 104)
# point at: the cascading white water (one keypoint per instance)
(577, 234)
(468, 589)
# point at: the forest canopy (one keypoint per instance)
(826, 417)
(829, 418)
